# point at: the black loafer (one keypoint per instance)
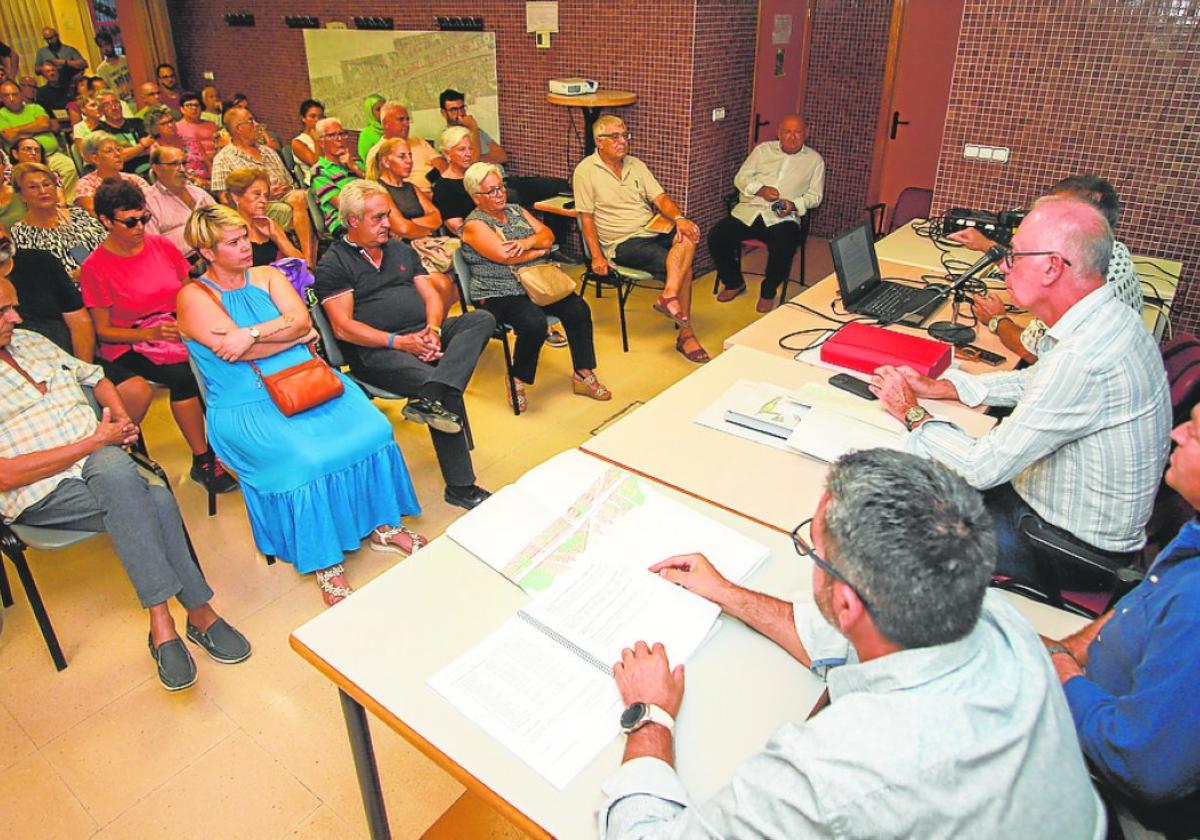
(221, 642)
(432, 413)
(466, 498)
(176, 670)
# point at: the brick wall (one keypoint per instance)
(1103, 86)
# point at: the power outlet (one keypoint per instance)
(718, 114)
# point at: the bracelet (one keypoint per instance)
(390, 339)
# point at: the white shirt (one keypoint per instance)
(800, 178)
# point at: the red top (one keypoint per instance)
(131, 288)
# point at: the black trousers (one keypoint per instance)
(725, 244)
(528, 321)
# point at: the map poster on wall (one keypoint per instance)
(346, 66)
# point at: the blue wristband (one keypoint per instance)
(390, 338)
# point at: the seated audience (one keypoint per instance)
(305, 147)
(64, 58)
(129, 132)
(944, 717)
(169, 89)
(411, 211)
(21, 119)
(453, 104)
(28, 150)
(171, 199)
(57, 91)
(51, 306)
(1132, 689)
(288, 206)
(10, 61)
(779, 182)
(147, 98)
(213, 107)
(103, 152)
(114, 69)
(616, 197)
(497, 237)
(129, 285)
(306, 510)
(396, 123)
(449, 195)
(1121, 275)
(89, 120)
(1084, 447)
(70, 233)
(161, 125)
(81, 90)
(335, 168)
(390, 321)
(372, 132)
(248, 188)
(12, 208)
(64, 468)
(198, 136)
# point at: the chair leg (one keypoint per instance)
(39, 609)
(512, 385)
(6, 598)
(211, 458)
(270, 559)
(623, 292)
(466, 421)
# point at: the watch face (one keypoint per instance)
(632, 715)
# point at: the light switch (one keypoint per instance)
(985, 152)
(970, 151)
(1000, 155)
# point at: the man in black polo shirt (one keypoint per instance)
(390, 321)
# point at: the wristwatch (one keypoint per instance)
(640, 714)
(436, 329)
(255, 334)
(915, 416)
(993, 323)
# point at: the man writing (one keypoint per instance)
(780, 181)
(616, 196)
(1084, 447)
(944, 717)
(335, 168)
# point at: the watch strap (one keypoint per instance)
(653, 714)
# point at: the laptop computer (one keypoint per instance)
(864, 292)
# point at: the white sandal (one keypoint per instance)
(325, 583)
(381, 540)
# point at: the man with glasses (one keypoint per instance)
(168, 86)
(129, 132)
(21, 119)
(172, 200)
(1084, 447)
(336, 167)
(617, 198)
(454, 108)
(945, 718)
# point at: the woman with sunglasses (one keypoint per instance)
(102, 151)
(129, 285)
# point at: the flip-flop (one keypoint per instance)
(698, 356)
(663, 305)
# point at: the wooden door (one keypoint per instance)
(780, 66)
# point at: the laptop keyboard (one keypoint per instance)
(893, 301)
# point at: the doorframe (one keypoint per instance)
(806, 15)
(895, 32)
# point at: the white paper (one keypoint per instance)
(781, 31)
(828, 436)
(541, 16)
(713, 415)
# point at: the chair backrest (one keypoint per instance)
(200, 386)
(1181, 358)
(289, 160)
(333, 351)
(462, 273)
(315, 215)
(912, 203)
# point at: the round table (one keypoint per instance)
(591, 103)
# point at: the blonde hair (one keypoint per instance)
(378, 152)
(240, 180)
(21, 170)
(477, 173)
(203, 229)
(352, 199)
(452, 136)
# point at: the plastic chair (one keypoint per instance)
(621, 278)
(462, 274)
(750, 244)
(912, 203)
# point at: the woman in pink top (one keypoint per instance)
(129, 285)
(199, 140)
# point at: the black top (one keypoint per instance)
(44, 293)
(405, 199)
(264, 253)
(54, 97)
(131, 131)
(385, 298)
(451, 199)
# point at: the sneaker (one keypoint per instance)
(466, 497)
(432, 413)
(556, 339)
(176, 670)
(220, 481)
(221, 642)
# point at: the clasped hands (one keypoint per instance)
(772, 195)
(115, 430)
(425, 344)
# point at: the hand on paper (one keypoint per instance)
(694, 573)
(644, 676)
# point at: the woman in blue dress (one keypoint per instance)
(314, 483)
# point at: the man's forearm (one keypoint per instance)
(651, 741)
(24, 470)
(770, 616)
(109, 397)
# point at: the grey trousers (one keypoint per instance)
(143, 521)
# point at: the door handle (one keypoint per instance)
(759, 123)
(896, 123)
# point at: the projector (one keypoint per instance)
(573, 87)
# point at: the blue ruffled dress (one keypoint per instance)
(314, 483)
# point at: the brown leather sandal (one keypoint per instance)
(663, 305)
(698, 356)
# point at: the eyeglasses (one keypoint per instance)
(337, 135)
(805, 550)
(617, 135)
(169, 163)
(494, 192)
(458, 109)
(134, 221)
(1011, 256)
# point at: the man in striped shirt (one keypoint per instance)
(335, 168)
(1084, 447)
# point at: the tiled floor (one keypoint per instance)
(258, 750)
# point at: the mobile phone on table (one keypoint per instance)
(852, 384)
(973, 353)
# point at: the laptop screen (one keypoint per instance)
(854, 262)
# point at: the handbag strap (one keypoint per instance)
(204, 284)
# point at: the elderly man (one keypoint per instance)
(169, 89)
(1132, 688)
(60, 467)
(390, 320)
(616, 197)
(171, 200)
(129, 132)
(945, 718)
(288, 206)
(66, 58)
(780, 181)
(21, 119)
(1084, 447)
(396, 123)
(335, 168)
(114, 69)
(56, 92)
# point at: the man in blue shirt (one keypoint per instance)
(1132, 676)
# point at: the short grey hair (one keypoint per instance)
(1080, 230)
(477, 173)
(390, 107)
(606, 122)
(452, 136)
(324, 123)
(915, 539)
(353, 198)
(95, 140)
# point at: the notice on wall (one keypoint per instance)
(541, 16)
(781, 32)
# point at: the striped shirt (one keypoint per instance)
(326, 180)
(232, 157)
(1088, 437)
(31, 421)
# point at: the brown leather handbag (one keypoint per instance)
(299, 387)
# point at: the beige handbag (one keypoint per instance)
(545, 283)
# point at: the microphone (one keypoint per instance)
(952, 331)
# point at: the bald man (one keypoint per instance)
(780, 181)
(1085, 445)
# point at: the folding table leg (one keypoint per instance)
(364, 763)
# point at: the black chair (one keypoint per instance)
(620, 278)
(731, 201)
(462, 276)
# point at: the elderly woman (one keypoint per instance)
(89, 110)
(160, 122)
(316, 482)
(29, 150)
(498, 236)
(249, 189)
(70, 233)
(129, 285)
(449, 196)
(412, 214)
(102, 151)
